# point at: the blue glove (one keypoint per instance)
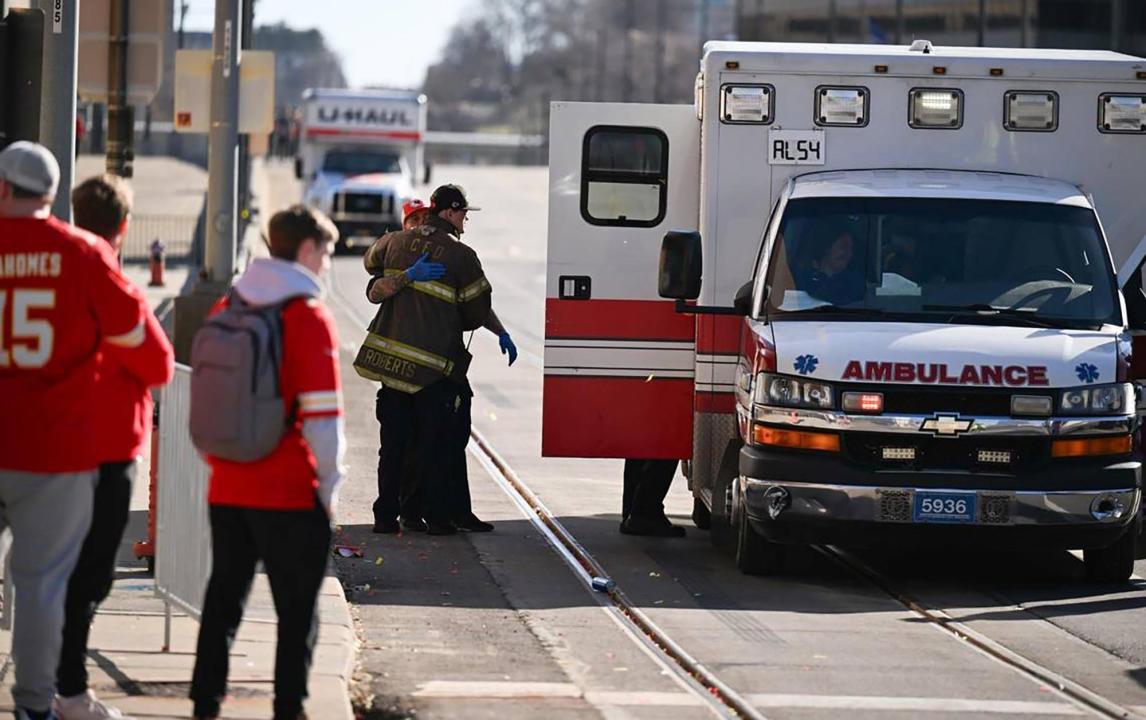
(423, 270)
(507, 346)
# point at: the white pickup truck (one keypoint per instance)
(360, 152)
(907, 288)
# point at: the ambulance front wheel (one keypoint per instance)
(1114, 563)
(701, 515)
(754, 554)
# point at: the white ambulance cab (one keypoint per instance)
(903, 284)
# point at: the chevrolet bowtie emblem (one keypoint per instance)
(946, 425)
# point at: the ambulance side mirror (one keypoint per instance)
(680, 266)
(743, 300)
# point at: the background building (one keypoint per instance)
(1094, 24)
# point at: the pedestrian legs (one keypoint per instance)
(92, 579)
(647, 484)
(433, 415)
(233, 558)
(295, 548)
(49, 516)
(395, 419)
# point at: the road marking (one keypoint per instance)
(511, 690)
(916, 704)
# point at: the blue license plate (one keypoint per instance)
(944, 507)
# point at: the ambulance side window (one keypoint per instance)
(624, 176)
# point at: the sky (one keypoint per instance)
(382, 42)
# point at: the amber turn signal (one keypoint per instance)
(1086, 447)
(803, 440)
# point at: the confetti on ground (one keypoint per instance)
(378, 560)
(348, 551)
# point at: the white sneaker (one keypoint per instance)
(85, 706)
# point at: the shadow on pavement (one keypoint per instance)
(416, 569)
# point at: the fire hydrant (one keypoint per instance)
(157, 264)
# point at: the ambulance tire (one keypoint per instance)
(754, 554)
(701, 515)
(722, 534)
(1114, 563)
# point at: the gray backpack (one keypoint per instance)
(237, 410)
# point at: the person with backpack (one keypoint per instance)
(102, 206)
(65, 311)
(266, 409)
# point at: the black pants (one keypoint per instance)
(426, 416)
(294, 547)
(647, 484)
(458, 489)
(405, 486)
(95, 570)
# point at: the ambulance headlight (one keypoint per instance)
(1122, 113)
(843, 106)
(1097, 400)
(792, 392)
(1032, 111)
(746, 104)
(936, 109)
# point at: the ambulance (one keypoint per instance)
(871, 295)
(360, 152)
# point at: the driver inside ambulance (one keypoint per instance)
(833, 276)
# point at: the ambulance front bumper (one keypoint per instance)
(1069, 505)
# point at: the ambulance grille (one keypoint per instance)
(925, 400)
(995, 509)
(895, 506)
(352, 203)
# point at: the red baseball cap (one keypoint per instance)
(412, 206)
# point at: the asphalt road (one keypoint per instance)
(497, 626)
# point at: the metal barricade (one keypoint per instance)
(183, 531)
(176, 232)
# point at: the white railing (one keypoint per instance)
(182, 531)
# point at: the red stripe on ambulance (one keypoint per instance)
(616, 319)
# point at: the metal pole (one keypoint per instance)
(900, 25)
(626, 61)
(245, 140)
(120, 114)
(659, 53)
(982, 23)
(58, 94)
(222, 153)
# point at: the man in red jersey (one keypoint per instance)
(279, 509)
(63, 305)
(102, 205)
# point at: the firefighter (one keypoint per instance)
(647, 484)
(414, 347)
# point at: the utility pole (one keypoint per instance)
(627, 60)
(244, 199)
(223, 141)
(659, 53)
(120, 113)
(900, 25)
(982, 23)
(58, 94)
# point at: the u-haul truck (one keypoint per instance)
(906, 282)
(360, 152)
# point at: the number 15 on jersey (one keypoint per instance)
(29, 343)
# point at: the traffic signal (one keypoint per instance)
(21, 61)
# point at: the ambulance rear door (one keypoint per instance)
(619, 361)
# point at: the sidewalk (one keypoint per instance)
(132, 671)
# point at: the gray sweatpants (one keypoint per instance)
(49, 517)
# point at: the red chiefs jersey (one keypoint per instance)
(63, 302)
(286, 479)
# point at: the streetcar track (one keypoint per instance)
(696, 677)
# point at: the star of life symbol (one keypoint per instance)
(950, 425)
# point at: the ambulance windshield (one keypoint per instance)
(926, 259)
(357, 162)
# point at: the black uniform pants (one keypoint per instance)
(405, 487)
(418, 424)
(461, 507)
(95, 570)
(294, 547)
(647, 484)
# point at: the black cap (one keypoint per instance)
(450, 197)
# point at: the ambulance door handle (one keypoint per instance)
(574, 287)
